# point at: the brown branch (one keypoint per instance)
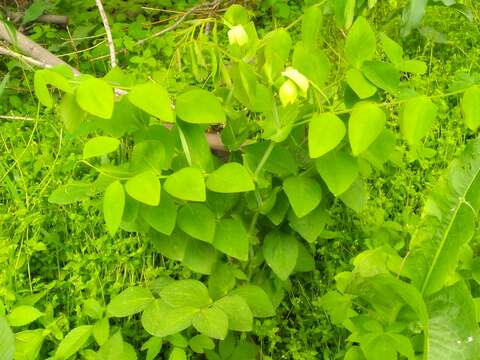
(106, 25)
(23, 58)
(30, 48)
(61, 20)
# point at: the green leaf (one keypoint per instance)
(200, 257)
(311, 26)
(198, 221)
(339, 170)
(172, 246)
(45, 77)
(448, 222)
(230, 178)
(101, 331)
(280, 251)
(310, 226)
(153, 347)
(470, 106)
(304, 194)
(231, 238)
(71, 193)
(162, 217)
(413, 66)
(7, 339)
(99, 146)
(113, 206)
(73, 342)
(311, 62)
(337, 306)
(96, 97)
(417, 118)
(186, 293)
(178, 354)
(378, 346)
(412, 16)
(305, 261)
(199, 343)
(130, 301)
(392, 49)
(359, 84)
(383, 75)
(360, 44)
(239, 315)
(154, 100)
(148, 155)
(160, 319)
(186, 184)
(200, 107)
(23, 315)
(453, 329)
(28, 344)
(144, 187)
(325, 132)
(276, 52)
(366, 123)
(212, 322)
(113, 349)
(221, 280)
(257, 300)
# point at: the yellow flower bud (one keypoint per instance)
(237, 35)
(288, 92)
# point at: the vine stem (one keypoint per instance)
(264, 159)
(108, 31)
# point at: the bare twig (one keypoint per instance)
(23, 58)
(106, 25)
(13, 117)
(211, 5)
(31, 49)
(61, 20)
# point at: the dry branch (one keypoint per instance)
(108, 31)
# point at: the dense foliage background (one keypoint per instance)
(324, 214)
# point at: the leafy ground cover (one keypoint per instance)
(330, 213)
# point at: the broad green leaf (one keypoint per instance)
(378, 346)
(239, 315)
(144, 187)
(212, 322)
(257, 300)
(7, 339)
(71, 193)
(28, 344)
(366, 123)
(354, 353)
(412, 16)
(113, 349)
(312, 62)
(338, 306)
(153, 347)
(413, 66)
(162, 217)
(99, 146)
(200, 343)
(311, 26)
(417, 118)
(339, 170)
(360, 44)
(195, 146)
(113, 206)
(148, 155)
(453, 329)
(96, 97)
(470, 106)
(92, 308)
(45, 77)
(276, 52)
(230, 178)
(231, 238)
(325, 132)
(130, 301)
(361, 86)
(186, 293)
(200, 256)
(73, 342)
(178, 354)
(23, 315)
(221, 280)
(305, 261)
(198, 221)
(310, 226)
(200, 107)
(101, 331)
(160, 319)
(172, 246)
(448, 222)
(236, 14)
(186, 184)
(153, 99)
(280, 251)
(71, 115)
(304, 194)
(356, 196)
(392, 49)
(383, 75)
